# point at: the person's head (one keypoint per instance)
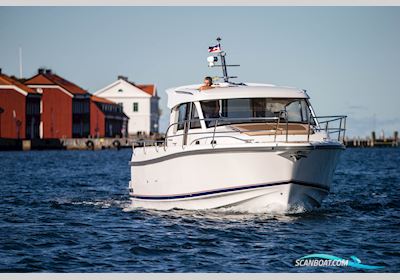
(208, 81)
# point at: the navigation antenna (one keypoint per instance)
(212, 59)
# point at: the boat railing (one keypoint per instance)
(215, 122)
(334, 126)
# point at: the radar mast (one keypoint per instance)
(217, 49)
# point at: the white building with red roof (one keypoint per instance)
(139, 103)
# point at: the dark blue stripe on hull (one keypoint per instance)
(317, 186)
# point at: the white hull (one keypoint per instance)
(253, 178)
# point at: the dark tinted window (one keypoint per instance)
(249, 109)
(183, 113)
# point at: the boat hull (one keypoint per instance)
(256, 179)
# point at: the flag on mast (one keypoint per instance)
(214, 49)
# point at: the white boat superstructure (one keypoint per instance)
(246, 147)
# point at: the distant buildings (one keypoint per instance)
(20, 108)
(66, 106)
(107, 118)
(48, 106)
(139, 103)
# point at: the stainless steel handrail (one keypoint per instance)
(217, 120)
(330, 130)
(314, 124)
(341, 129)
(229, 136)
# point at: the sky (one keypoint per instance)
(348, 58)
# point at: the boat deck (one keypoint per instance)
(255, 129)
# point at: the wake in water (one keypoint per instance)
(105, 204)
(232, 214)
(270, 209)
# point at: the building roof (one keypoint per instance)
(146, 90)
(191, 93)
(150, 89)
(101, 100)
(49, 78)
(8, 81)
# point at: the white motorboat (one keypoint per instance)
(241, 146)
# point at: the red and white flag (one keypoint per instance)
(214, 49)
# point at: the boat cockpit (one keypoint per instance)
(245, 113)
(204, 114)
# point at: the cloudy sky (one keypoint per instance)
(348, 58)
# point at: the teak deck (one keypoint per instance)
(254, 129)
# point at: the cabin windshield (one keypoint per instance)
(242, 110)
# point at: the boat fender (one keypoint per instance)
(116, 144)
(90, 145)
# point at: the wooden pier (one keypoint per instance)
(72, 143)
(372, 141)
(119, 143)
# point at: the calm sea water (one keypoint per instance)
(68, 211)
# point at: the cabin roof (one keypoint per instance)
(191, 93)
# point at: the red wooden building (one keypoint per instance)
(107, 118)
(19, 110)
(71, 112)
(66, 106)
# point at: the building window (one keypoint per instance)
(120, 90)
(135, 107)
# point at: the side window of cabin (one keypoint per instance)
(195, 120)
(237, 108)
(294, 111)
(183, 113)
(305, 111)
